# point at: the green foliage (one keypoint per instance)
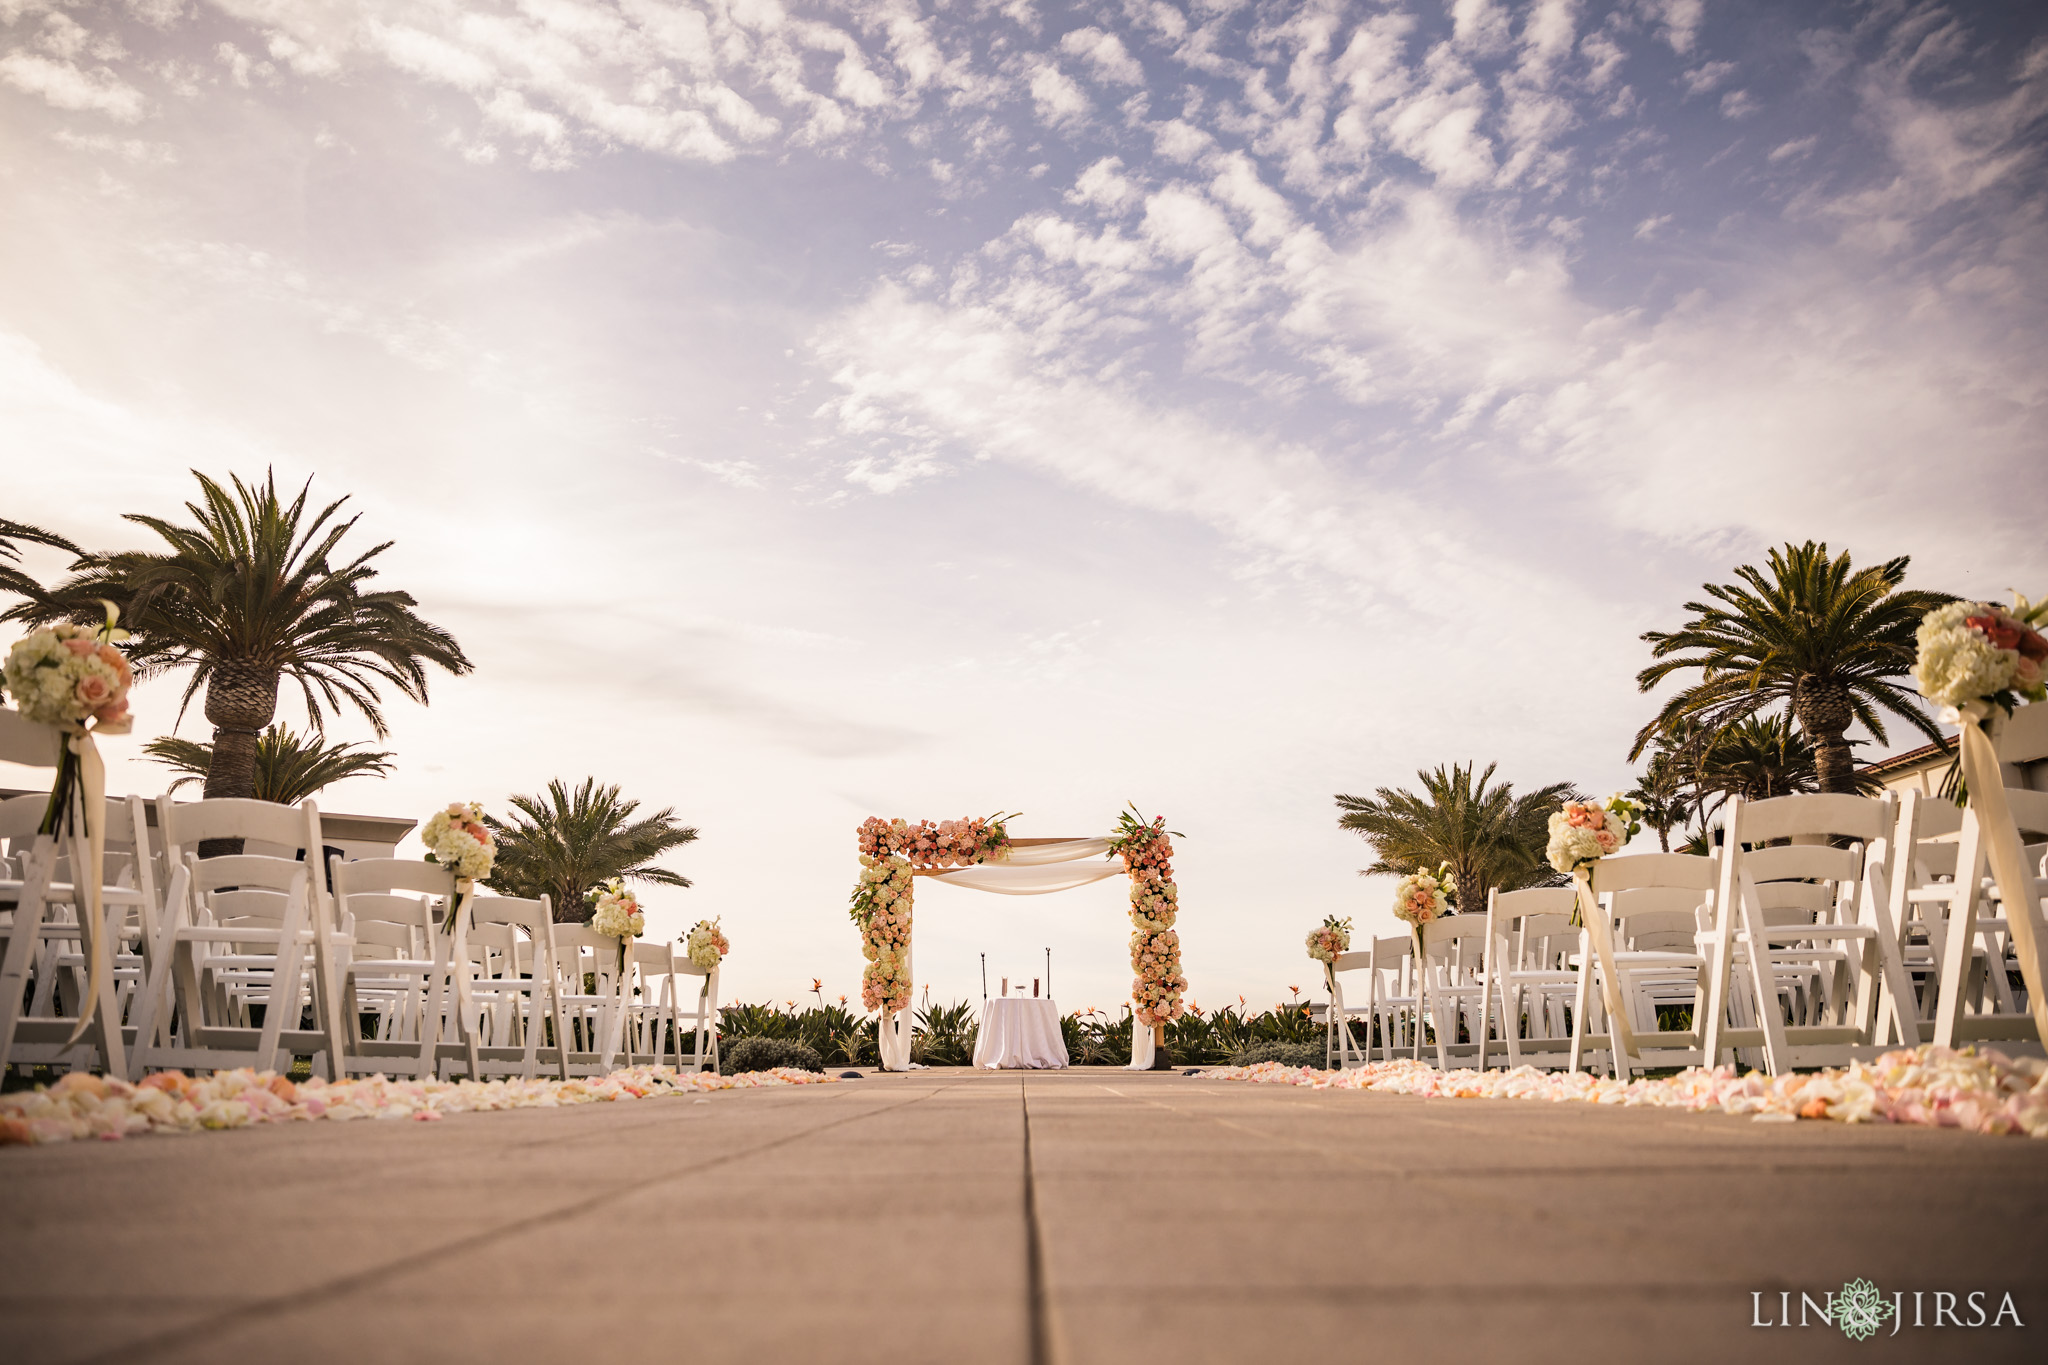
(13, 579)
(1195, 1039)
(765, 1054)
(834, 1033)
(1287, 1054)
(1810, 632)
(288, 768)
(1489, 836)
(943, 1035)
(561, 844)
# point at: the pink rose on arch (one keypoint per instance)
(93, 691)
(79, 646)
(112, 714)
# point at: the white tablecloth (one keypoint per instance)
(1020, 1033)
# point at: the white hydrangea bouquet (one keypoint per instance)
(1975, 652)
(616, 911)
(1326, 943)
(457, 839)
(705, 944)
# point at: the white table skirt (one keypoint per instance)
(1020, 1033)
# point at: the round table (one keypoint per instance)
(1020, 1033)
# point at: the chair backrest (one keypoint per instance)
(1807, 815)
(1396, 955)
(1453, 948)
(2023, 737)
(183, 824)
(1657, 919)
(25, 742)
(2029, 809)
(1644, 871)
(496, 921)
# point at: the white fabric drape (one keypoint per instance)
(1031, 879)
(1065, 851)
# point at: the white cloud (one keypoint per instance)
(1106, 53)
(1706, 77)
(67, 86)
(1056, 96)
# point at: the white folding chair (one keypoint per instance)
(1339, 1047)
(248, 930)
(591, 988)
(404, 960)
(1529, 973)
(1979, 953)
(1828, 852)
(1393, 993)
(1451, 986)
(514, 983)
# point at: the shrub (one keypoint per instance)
(1287, 1054)
(763, 1054)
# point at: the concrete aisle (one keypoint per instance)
(1077, 1218)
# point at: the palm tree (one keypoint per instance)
(1490, 837)
(13, 579)
(1812, 632)
(250, 594)
(1758, 758)
(565, 844)
(1664, 791)
(288, 768)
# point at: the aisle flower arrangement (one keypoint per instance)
(85, 1106)
(76, 680)
(1981, 652)
(1419, 898)
(705, 944)
(1584, 832)
(616, 911)
(1326, 943)
(1147, 851)
(457, 838)
(881, 907)
(1983, 1091)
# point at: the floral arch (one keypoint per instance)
(981, 855)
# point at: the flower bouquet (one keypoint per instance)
(1326, 943)
(73, 679)
(1976, 652)
(1419, 899)
(705, 944)
(616, 911)
(457, 839)
(1583, 832)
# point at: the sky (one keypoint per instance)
(802, 412)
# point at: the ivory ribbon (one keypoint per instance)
(1598, 930)
(92, 795)
(2002, 842)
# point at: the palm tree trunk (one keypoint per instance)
(241, 698)
(1822, 710)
